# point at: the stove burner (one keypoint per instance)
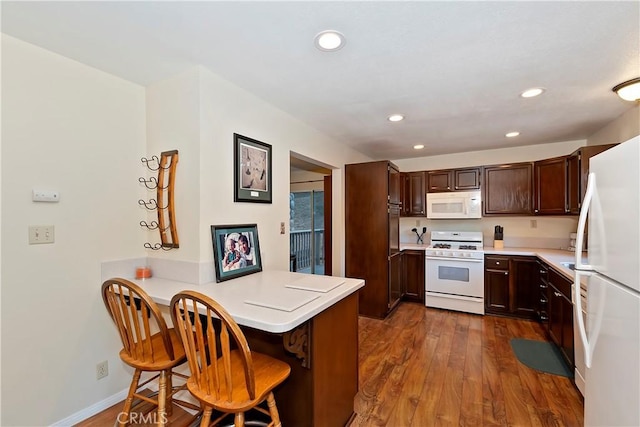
(442, 246)
(470, 247)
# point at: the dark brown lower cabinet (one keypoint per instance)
(496, 285)
(395, 280)
(413, 275)
(511, 286)
(561, 314)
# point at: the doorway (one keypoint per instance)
(310, 217)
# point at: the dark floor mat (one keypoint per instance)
(540, 355)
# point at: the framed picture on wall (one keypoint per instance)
(236, 250)
(251, 170)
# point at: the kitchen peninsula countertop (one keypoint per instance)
(267, 286)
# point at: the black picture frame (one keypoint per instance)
(235, 262)
(252, 173)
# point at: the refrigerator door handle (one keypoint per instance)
(582, 222)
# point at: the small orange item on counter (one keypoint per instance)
(143, 273)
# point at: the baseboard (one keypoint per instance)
(121, 395)
(93, 409)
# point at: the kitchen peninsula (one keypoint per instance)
(310, 322)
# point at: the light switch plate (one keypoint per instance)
(45, 196)
(39, 234)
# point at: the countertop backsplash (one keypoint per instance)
(551, 232)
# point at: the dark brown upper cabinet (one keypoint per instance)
(551, 186)
(577, 172)
(453, 180)
(508, 189)
(413, 193)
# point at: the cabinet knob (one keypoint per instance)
(448, 188)
(535, 210)
(497, 262)
(558, 294)
(543, 272)
(506, 273)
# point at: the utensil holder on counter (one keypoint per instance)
(498, 243)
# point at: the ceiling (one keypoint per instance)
(454, 69)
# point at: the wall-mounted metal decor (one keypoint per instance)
(163, 202)
(251, 170)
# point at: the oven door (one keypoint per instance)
(455, 276)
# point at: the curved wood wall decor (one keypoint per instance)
(163, 203)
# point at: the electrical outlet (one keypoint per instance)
(282, 228)
(41, 234)
(534, 223)
(102, 369)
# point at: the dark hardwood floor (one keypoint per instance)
(427, 367)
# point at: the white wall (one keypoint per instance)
(622, 129)
(204, 137)
(77, 130)
(82, 132)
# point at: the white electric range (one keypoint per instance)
(454, 271)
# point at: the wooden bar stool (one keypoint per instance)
(135, 316)
(225, 374)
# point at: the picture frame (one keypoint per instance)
(236, 250)
(252, 173)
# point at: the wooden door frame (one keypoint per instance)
(328, 249)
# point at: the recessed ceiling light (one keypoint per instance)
(530, 93)
(418, 147)
(395, 117)
(512, 134)
(329, 40)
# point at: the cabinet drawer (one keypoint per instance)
(496, 263)
(561, 283)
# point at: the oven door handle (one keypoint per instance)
(454, 259)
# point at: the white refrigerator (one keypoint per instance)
(611, 335)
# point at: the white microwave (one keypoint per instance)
(454, 205)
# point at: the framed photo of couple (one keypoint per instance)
(236, 250)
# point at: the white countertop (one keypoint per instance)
(553, 257)
(269, 287)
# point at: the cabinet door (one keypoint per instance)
(496, 291)
(416, 194)
(466, 179)
(567, 331)
(508, 189)
(440, 181)
(394, 185)
(556, 310)
(551, 186)
(413, 266)
(395, 280)
(405, 199)
(525, 286)
(573, 184)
